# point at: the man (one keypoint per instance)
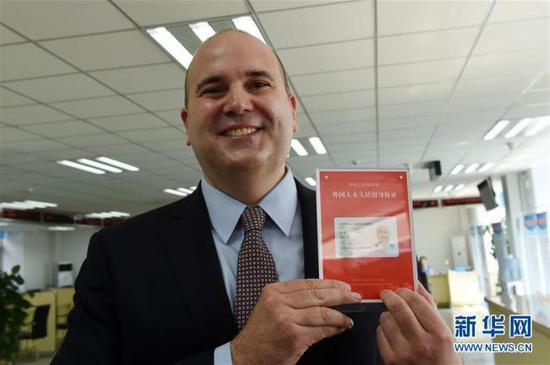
(167, 287)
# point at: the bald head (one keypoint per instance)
(220, 37)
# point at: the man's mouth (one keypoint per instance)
(239, 132)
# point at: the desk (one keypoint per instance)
(539, 309)
(439, 286)
(64, 304)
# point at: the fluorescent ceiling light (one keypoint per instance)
(116, 163)
(41, 204)
(78, 166)
(27, 204)
(522, 124)
(438, 188)
(317, 145)
(175, 192)
(486, 166)
(459, 187)
(171, 45)
(246, 24)
(192, 188)
(497, 128)
(111, 214)
(311, 181)
(99, 165)
(203, 30)
(298, 148)
(471, 168)
(448, 188)
(457, 169)
(186, 191)
(61, 228)
(541, 123)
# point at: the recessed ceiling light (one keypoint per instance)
(186, 191)
(541, 123)
(192, 188)
(448, 188)
(202, 30)
(171, 45)
(111, 214)
(27, 204)
(61, 228)
(175, 192)
(497, 128)
(459, 187)
(438, 188)
(247, 24)
(116, 163)
(457, 169)
(317, 145)
(311, 181)
(78, 166)
(298, 148)
(471, 168)
(486, 166)
(522, 124)
(99, 165)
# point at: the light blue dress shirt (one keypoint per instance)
(282, 233)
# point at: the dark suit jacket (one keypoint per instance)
(151, 292)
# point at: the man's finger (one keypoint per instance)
(322, 317)
(392, 331)
(426, 314)
(384, 347)
(321, 297)
(305, 284)
(425, 294)
(402, 314)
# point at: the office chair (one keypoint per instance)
(39, 325)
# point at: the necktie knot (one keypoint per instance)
(253, 218)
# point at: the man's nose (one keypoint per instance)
(238, 101)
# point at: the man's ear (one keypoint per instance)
(292, 101)
(184, 114)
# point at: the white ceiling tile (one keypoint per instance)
(8, 98)
(50, 19)
(491, 86)
(347, 100)
(419, 72)
(501, 102)
(334, 82)
(411, 110)
(29, 114)
(452, 43)
(69, 153)
(112, 50)
(9, 134)
(103, 139)
(527, 111)
(163, 12)
(171, 144)
(62, 129)
(7, 36)
(338, 116)
(98, 107)
(156, 134)
(330, 57)
(543, 82)
(397, 17)
(171, 116)
(27, 60)
(143, 78)
(517, 10)
(399, 123)
(35, 145)
(535, 97)
(344, 128)
(128, 122)
(159, 100)
(270, 5)
(515, 36)
(415, 93)
(321, 24)
(506, 64)
(58, 88)
(128, 150)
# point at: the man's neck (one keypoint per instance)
(248, 187)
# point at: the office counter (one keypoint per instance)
(539, 309)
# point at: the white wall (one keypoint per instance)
(38, 265)
(72, 246)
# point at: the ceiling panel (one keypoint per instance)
(419, 72)
(398, 17)
(321, 24)
(58, 88)
(62, 129)
(506, 64)
(338, 116)
(515, 36)
(29, 114)
(9, 134)
(143, 78)
(103, 139)
(36, 145)
(159, 100)
(171, 116)
(491, 86)
(347, 100)
(26, 60)
(111, 50)
(334, 82)
(505, 11)
(330, 57)
(128, 122)
(51, 19)
(9, 98)
(411, 110)
(128, 150)
(7, 36)
(415, 93)
(270, 5)
(157, 134)
(415, 47)
(150, 13)
(98, 107)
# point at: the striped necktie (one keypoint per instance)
(255, 265)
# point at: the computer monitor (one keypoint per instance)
(487, 194)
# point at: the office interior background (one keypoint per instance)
(455, 91)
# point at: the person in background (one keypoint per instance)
(426, 268)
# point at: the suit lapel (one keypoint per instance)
(195, 260)
(306, 197)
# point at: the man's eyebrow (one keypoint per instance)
(208, 80)
(259, 73)
(218, 78)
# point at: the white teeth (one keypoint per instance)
(240, 132)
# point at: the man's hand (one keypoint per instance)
(289, 317)
(412, 331)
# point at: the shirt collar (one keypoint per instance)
(224, 211)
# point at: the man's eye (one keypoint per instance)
(212, 90)
(259, 84)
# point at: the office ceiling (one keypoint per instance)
(382, 84)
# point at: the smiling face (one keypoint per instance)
(239, 116)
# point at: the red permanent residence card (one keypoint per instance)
(365, 230)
